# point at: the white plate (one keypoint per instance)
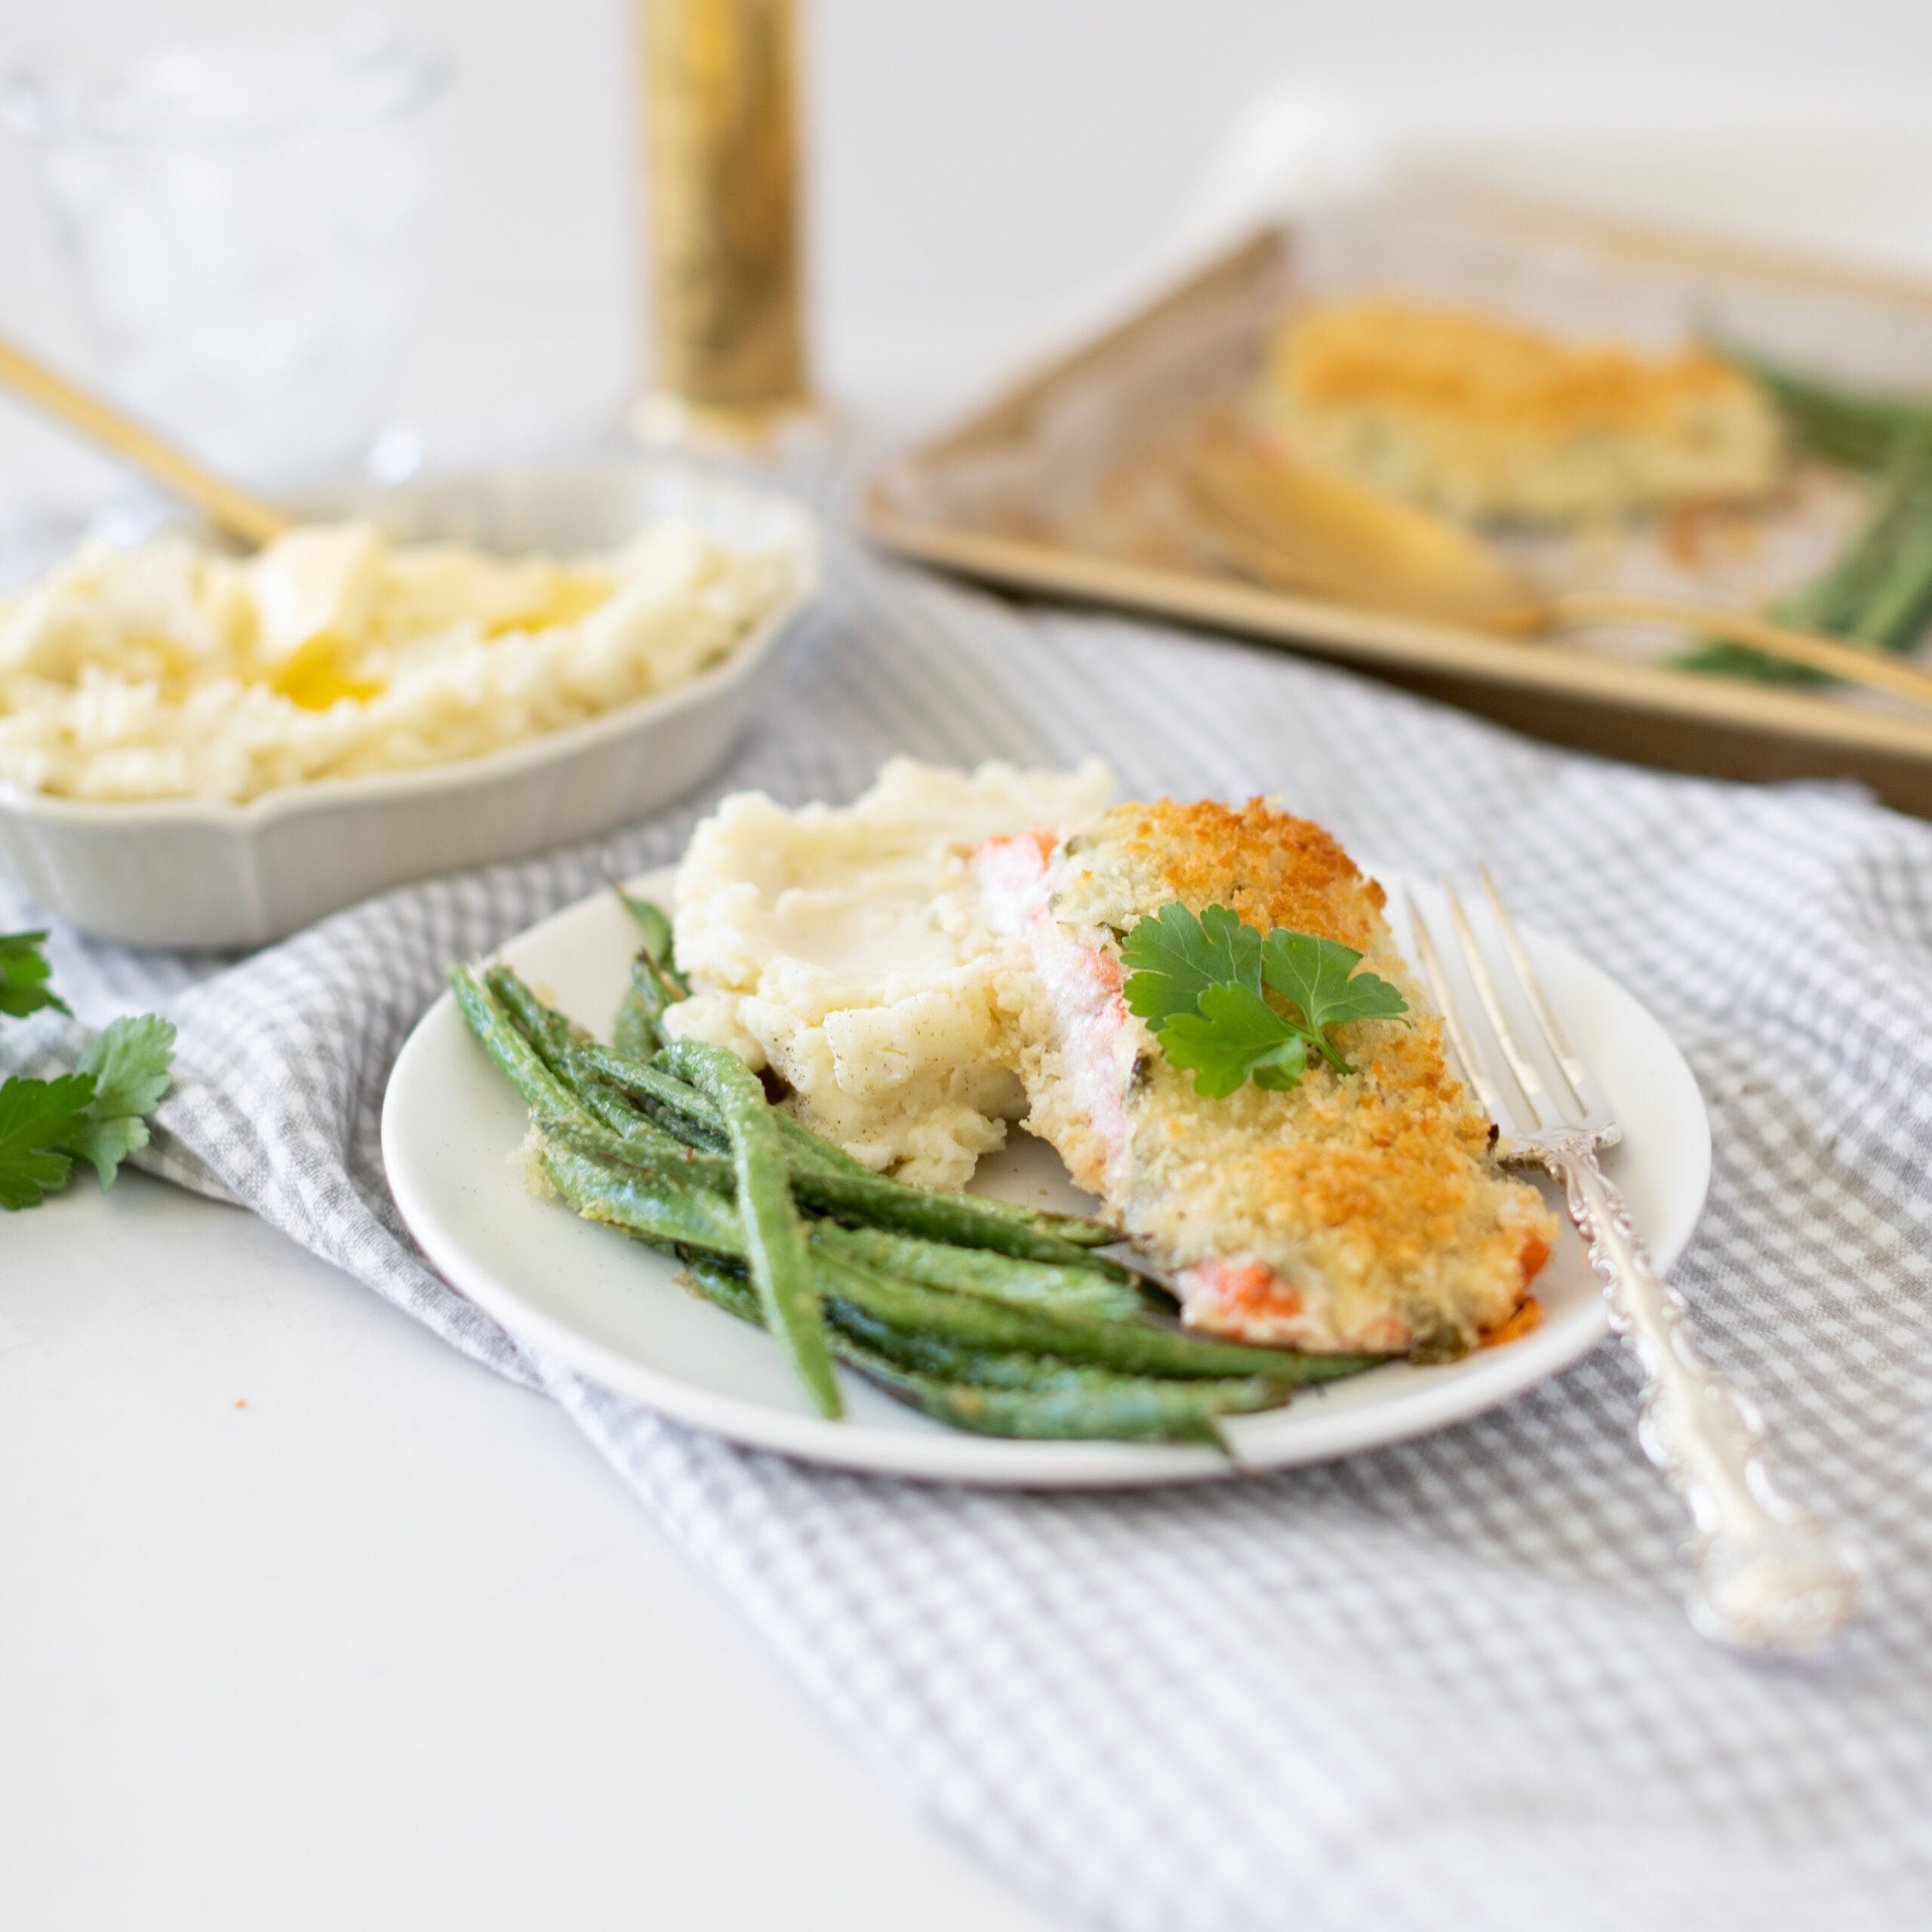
(613, 1309)
(208, 872)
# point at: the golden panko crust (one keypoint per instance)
(1271, 868)
(1370, 1200)
(1485, 417)
(1458, 360)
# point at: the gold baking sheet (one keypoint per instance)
(1069, 485)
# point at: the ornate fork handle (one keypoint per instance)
(1765, 1575)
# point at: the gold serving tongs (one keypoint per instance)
(247, 517)
(1306, 529)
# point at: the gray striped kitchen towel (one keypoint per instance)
(1441, 1687)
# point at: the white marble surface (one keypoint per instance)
(305, 1622)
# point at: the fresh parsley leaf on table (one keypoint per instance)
(23, 975)
(130, 1061)
(95, 1114)
(1201, 986)
(37, 1118)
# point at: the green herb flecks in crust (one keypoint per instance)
(1201, 983)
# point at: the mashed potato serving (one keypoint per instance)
(175, 671)
(816, 945)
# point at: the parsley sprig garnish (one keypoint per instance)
(1201, 984)
(98, 1112)
(24, 975)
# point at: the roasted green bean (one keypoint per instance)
(803, 1148)
(655, 981)
(549, 1032)
(968, 1219)
(651, 1206)
(556, 1036)
(643, 1201)
(665, 1156)
(1138, 1348)
(1081, 1291)
(1853, 427)
(775, 1243)
(1077, 1404)
(983, 1314)
(1877, 593)
(636, 1030)
(654, 923)
(1001, 1393)
(829, 1178)
(548, 1097)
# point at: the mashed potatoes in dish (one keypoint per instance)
(816, 947)
(174, 671)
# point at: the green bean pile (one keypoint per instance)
(1879, 591)
(981, 1313)
(1856, 429)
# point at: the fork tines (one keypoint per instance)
(1509, 1044)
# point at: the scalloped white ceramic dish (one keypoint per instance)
(208, 873)
(614, 1310)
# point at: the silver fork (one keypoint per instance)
(1763, 1574)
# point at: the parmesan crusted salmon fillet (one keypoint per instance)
(1360, 1211)
(1482, 417)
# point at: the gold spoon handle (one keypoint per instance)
(233, 510)
(1900, 676)
(1318, 533)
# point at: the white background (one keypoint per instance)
(305, 1621)
(978, 165)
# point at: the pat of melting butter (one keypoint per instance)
(815, 945)
(322, 582)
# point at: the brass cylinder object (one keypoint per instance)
(721, 119)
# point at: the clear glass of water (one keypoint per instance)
(245, 223)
